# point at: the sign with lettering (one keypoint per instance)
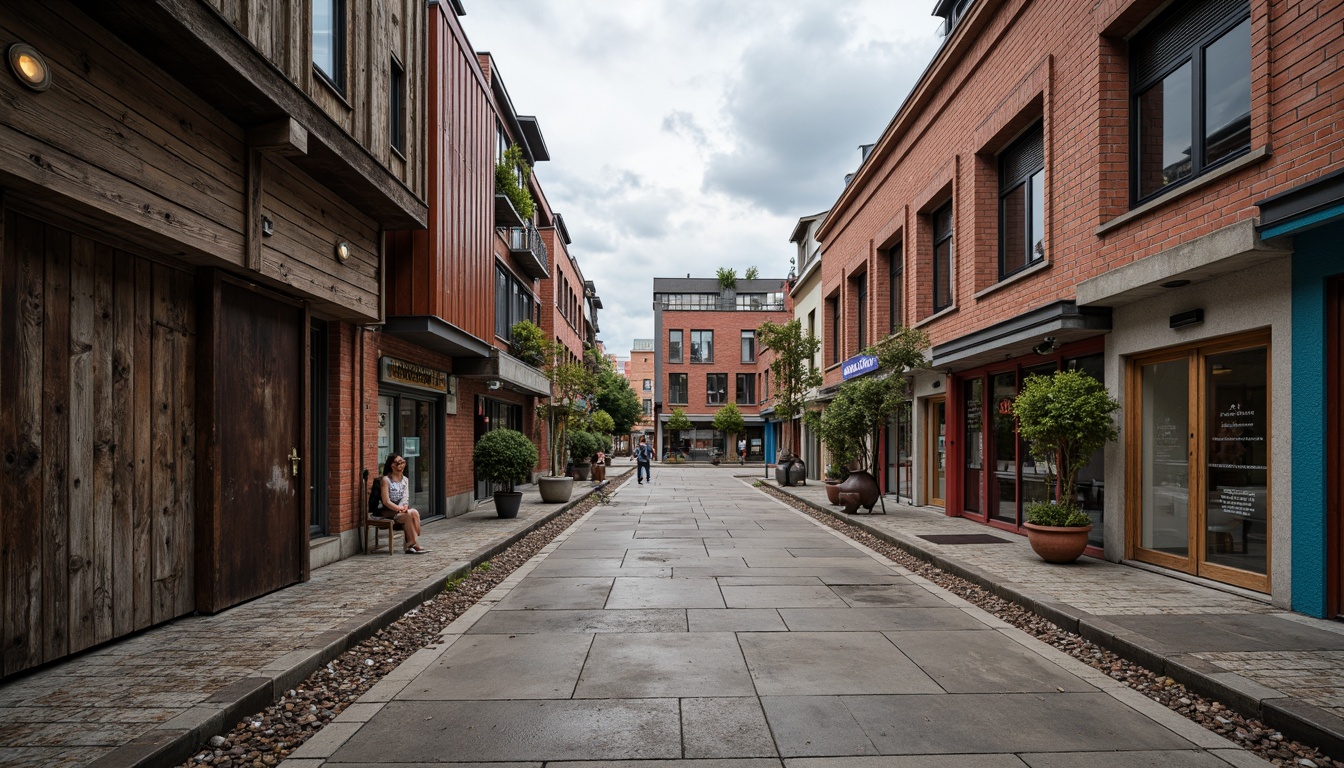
(857, 366)
(406, 374)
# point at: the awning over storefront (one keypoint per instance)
(436, 334)
(1301, 208)
(509, 371)
(1060, 322)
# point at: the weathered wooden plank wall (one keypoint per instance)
(97, 378)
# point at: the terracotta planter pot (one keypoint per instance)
(833, 491)
(1056, 544)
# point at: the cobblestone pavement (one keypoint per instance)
(1254, 650)
(699, 619)
(147, 688)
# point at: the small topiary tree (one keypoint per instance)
(504, 456)
(582, 445)
(1065, 418)
(728, 420)
(678, 423)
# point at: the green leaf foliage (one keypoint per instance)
(728, 420)
(1057, 515)
(678, 422)
(511, 175)
(1065, 418)
(791, 367)
(751, 274)
(582, 445)
(617, 398)
(528, 343)
(504, 456)
(601, 423)
(727, 277)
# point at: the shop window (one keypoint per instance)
(702, 346)
(746, 389)
(1190, 96)
(942, 257)
(716, 388)
(1022, 203)
(396, 107)
(329, 41)
(674, 346)
(676, 388)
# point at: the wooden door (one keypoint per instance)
(255, 526)
(97, 437)
(935, 455)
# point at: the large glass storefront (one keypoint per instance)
(1198, 448)
(494, 414)
(407, 424)
(901, 454)
(999, 477)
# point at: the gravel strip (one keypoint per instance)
(264, 739)
(1253, 735)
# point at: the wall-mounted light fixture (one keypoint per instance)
(1182, 319)
(342, 252)
(1046, 346)
(267, 226)
(493, 384)
(29, 67)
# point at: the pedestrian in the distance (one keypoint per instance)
(643, 457)
(741, 450)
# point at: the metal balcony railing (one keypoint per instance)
(525, 243)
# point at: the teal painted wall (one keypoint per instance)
(1318, 254)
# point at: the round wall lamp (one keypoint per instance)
(29, 67)
(342, 252)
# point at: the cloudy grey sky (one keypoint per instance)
(690, 135)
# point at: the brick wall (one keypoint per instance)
(727, 328)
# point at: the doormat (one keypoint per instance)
(963, 538)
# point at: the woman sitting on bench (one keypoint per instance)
(396, 502)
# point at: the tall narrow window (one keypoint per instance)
(746, 389)
(702, 346)
(674, 346)
(396, 106)
(676, 388)
(1022, 203)
(942, 258)
(329, 40)
(1191, 92)
(835, 329)
(748, 346)
(812, 331)
(716, 388)
(896, 286)
(861, 302)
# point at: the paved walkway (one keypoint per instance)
(1283, 668)
(154, 697)
(699, 619)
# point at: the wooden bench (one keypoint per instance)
(378, 525)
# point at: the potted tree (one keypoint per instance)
(505, 457)
(582, 445)
(864, 406)
(729, 421)
(572, 387)
(727, 283)
(676, 424)
(1065, 418)
(601, 426)
(794, 376)
(840, 443)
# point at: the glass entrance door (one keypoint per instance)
(1201, 454)
(408, 425)
(936, 451)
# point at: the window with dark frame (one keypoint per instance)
(674, 346)
(513, 303)
(329, 41)
(1022, 203)
(861, 305)
(676, 388)
(716, 388)
(1190, 94)
(766, 377)
(702, 346)
(746, 389)
(396, 106)
(896, 285)
(834, 305)
(812, 331)
(942, 257)
(648, 385)
(648, 407)
(748, 346)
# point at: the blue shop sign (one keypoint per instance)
(858, 365)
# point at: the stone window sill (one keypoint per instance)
(1249, 159)
(1039, 266)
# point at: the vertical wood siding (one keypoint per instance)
(96, 436)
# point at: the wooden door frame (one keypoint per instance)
(930, 450)
(1194, 564)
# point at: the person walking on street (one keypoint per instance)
(741, 450)
(643, 456)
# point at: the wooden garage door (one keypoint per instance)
(97, 442)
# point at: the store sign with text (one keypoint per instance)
(858, 365)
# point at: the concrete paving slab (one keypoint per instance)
(1056, 722)
(697, 664)
(762, 596)
(683, 558)
(522, 666)
(594, 568)
(908, 761)
(806, 726)
(735, 620)
(773, 581)
(557, 593)
(504, 731)
(821, 551)
(875, 619)
(894, 595)
(982, 661)
(759, 762)
(725, 727)
(1230, 632)
(830, 663)
(856, 572)
(581, 621)
(665, 593)
(768, 561)
(1143, 759)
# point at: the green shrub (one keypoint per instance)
(1057, 515)
(582, 446)
(504, 456)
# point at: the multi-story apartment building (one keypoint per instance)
(194, 196)
(706, 356)
(805, 291)
(1125, 190)
(640, 374)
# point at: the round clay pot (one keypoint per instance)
(507, 503)
(1057, 544)
(555, 490)
(851, 501)
(833, 491)
(797, 472)
(863, 484)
